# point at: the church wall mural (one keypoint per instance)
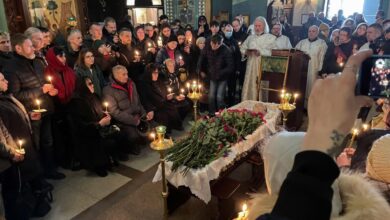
(54, 14)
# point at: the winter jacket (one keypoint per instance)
(217, 64)
(26, 79)
(125, 106)
(96, 76)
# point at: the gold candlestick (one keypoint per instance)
(194, 94)
(285, 107)
(162, 145)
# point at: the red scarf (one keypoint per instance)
(171, 53)
(129, 88)
(63, 77)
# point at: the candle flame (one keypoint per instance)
(152, 135)
(105, 104)
(188, 85)
(355, 131)
(365, 127)
(169, 89)
(296, 95)
(244, 207)
(194, 82)
(182, 90)
(38, 101)
(20, 142)
(49, 78)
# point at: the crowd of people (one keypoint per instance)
(84, 101)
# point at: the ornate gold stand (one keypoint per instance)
(195, 96)
(286, 109)
(161, 145)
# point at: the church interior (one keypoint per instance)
(219, 119)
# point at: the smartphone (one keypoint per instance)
(374, 77)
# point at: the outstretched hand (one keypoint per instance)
(333, 107)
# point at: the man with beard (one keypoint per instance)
(282, 42)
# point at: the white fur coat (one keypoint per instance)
(361, 201)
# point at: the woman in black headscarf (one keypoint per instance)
(156, 97)
(88, 121)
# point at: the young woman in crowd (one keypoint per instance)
(86, 67)
(359, 35)
(89, 118)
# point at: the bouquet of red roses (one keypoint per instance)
(212, 138)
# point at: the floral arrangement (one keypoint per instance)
(212, 138)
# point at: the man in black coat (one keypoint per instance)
(129, 56)
(25, 75)
(230, 42)
(5, 49)
(217, 63)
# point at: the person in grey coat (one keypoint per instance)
(125, 106)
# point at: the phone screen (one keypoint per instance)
(374, 77)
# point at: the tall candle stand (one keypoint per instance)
(194, 93)
(285, 106)
(161, 145)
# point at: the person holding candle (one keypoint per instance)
(305, 192)
(88, 116)
(126, 108)
(170, 51)
(61, 75)
(337, 55)
(17, 169)
(157, 98)
(145, 45)
(130, 56)
(27, 83)
(86, 67)
(171, 81)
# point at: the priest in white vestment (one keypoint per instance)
(282, 42)
(256, 45)
(316, 49)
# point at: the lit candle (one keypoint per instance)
(341, 64)
(200, 87)
(49, 78)
(149, 45)
(38, 103)
(295, 98)
(180, 58)
(182, 91)
(365, 127)
(190, 41)
(106, 106)
(153, 136)
(188, 87)
(355, 132)
(159, 42)
(169, 90)
(20, 150)
(243, 215)
(20, 142)
(239, 43)
(136, 53)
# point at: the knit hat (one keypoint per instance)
(172, 38)
(97, 44)
(378, 160)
